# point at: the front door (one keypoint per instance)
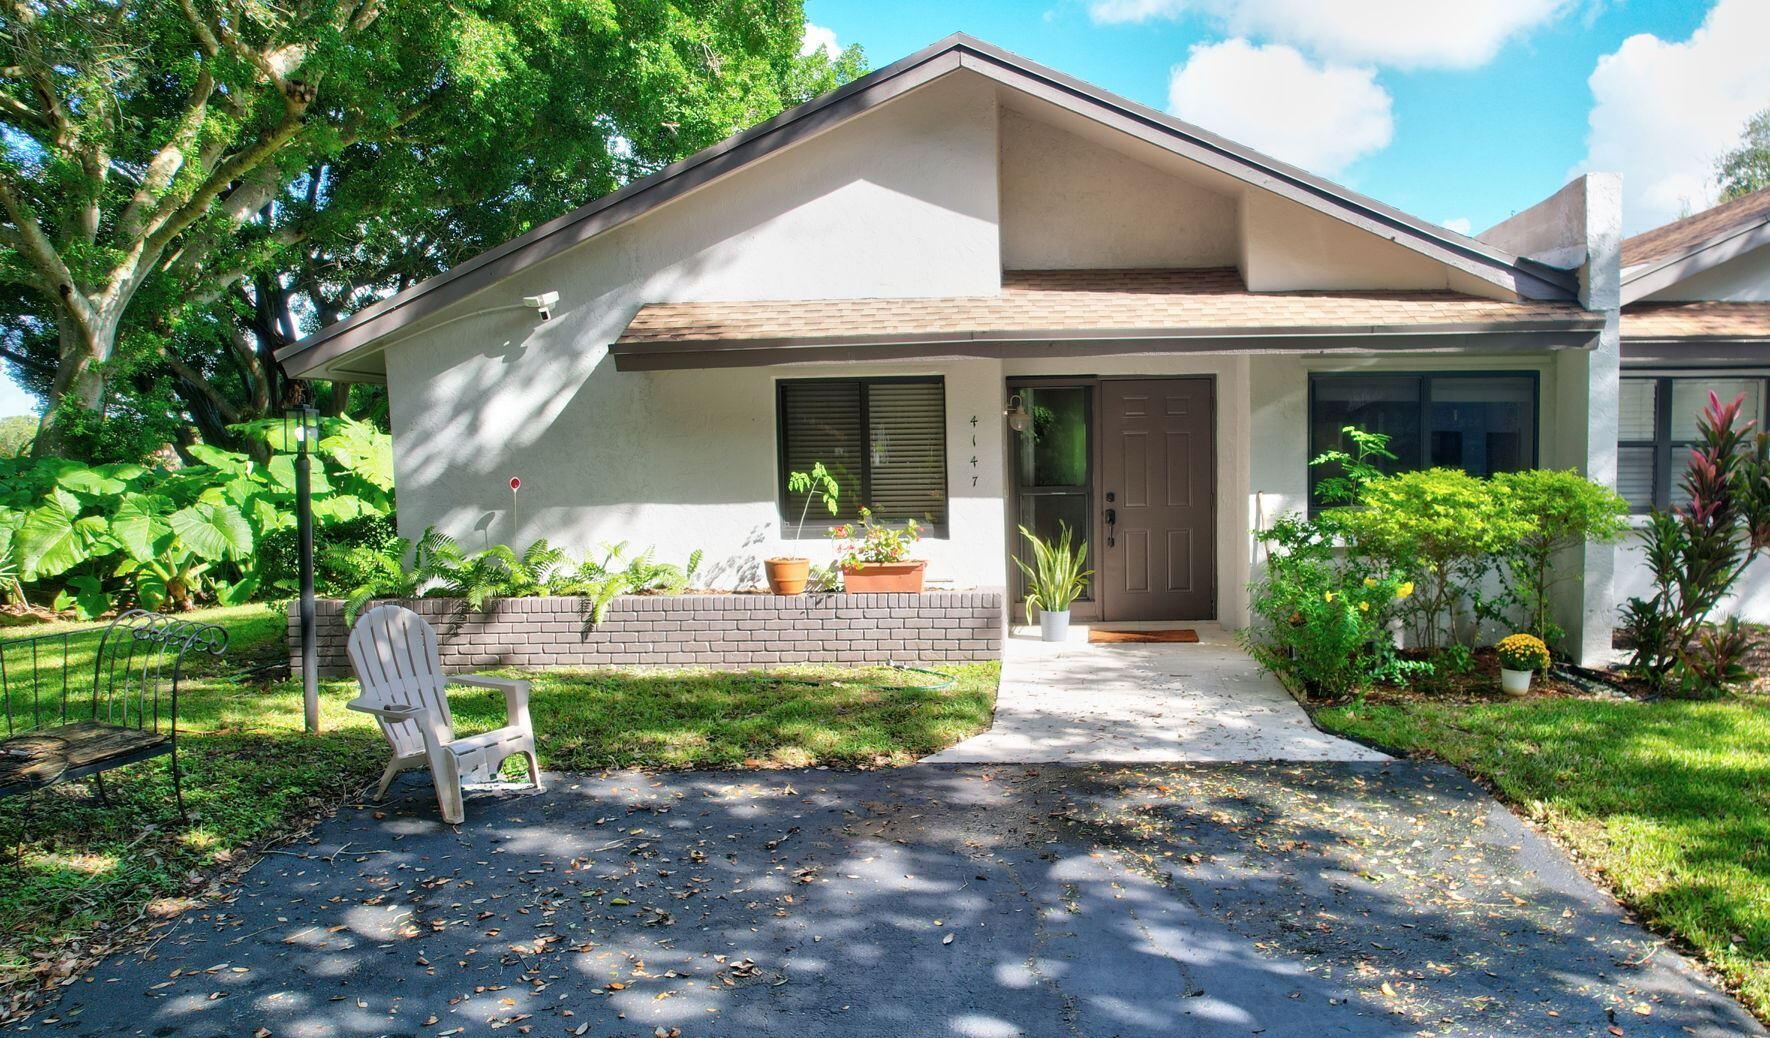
(1158, 499)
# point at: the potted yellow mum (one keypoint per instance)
(1521, 655)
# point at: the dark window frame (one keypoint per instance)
(1665, 450)
(783, 504)
(1088, 491)
(1425, 380)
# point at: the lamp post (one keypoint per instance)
(306, 422)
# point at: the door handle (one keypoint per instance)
(1112, 518)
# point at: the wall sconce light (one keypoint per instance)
(1018, 417)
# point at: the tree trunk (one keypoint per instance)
(78, 381)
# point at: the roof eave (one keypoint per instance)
(1657, 275)
(1525, 277)
(1508, 336)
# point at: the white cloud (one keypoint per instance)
(1460, 224)
(1401, 33)
(1320, 117)
(819, 38)
(1664, 111)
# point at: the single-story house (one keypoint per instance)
(1695, 320)
(872, 279)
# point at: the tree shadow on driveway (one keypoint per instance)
(1388, 898)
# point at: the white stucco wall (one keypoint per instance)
(1289, 247)
(1742, 279)
(918, 197)
(1750, 600)
(901, 201)
(1068, 202)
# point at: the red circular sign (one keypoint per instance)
(516, 482)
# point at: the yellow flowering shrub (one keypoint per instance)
(1523, 652)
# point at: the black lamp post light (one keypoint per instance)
(301, 426)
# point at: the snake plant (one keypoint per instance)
(1056, 577)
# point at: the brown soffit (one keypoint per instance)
(1524, 276)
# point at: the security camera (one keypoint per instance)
(543, 303)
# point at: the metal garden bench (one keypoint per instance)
(61, 727)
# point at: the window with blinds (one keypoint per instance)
(884, 440)
(1656, 427)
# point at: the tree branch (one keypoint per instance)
(168, 160)
(39, 251)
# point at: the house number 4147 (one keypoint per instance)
(973, 447)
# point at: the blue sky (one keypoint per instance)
(1490, 103)
(1458, 111)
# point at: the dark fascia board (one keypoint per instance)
(1641, 281)
(1696, 351)
(387, 316)
(1514, 337)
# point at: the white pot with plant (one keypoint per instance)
(1054, 579)
(1521, 655)
(788, 574)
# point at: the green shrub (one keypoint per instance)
(1426, 548)
(1323, 616)
(1448, 530)
(1561, 511)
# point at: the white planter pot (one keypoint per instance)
(1053, 626)
(1514, 682)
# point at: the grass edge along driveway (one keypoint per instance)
(78, 879)
(1668, 800)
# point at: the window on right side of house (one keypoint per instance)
(1480, 422)
(1656, 426)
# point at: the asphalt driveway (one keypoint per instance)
(1350, 898)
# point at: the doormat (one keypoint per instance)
(1177, 634)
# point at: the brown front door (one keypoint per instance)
(1158, 499)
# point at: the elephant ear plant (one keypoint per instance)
(1056, 577)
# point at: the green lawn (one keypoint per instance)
(1670, 800)
(74, 873)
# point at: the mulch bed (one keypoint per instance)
(1481, 684)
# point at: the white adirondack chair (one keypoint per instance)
(393, 652)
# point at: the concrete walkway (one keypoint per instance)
(1075, 702)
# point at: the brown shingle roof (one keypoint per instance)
(1706, 319)
(1037, 304)
(1692, 232)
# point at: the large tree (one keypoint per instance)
(1747, 167)
(188, 184)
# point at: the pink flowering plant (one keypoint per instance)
(1697, 554)
(871, 541)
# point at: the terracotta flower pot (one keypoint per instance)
(787, 576)
(884, 577)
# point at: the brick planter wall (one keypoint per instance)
(725, 631)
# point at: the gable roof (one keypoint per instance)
(1692, 232)
(1657, 259)
(1523, 276)
(1160, 309)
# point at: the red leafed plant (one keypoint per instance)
(1697, 554)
